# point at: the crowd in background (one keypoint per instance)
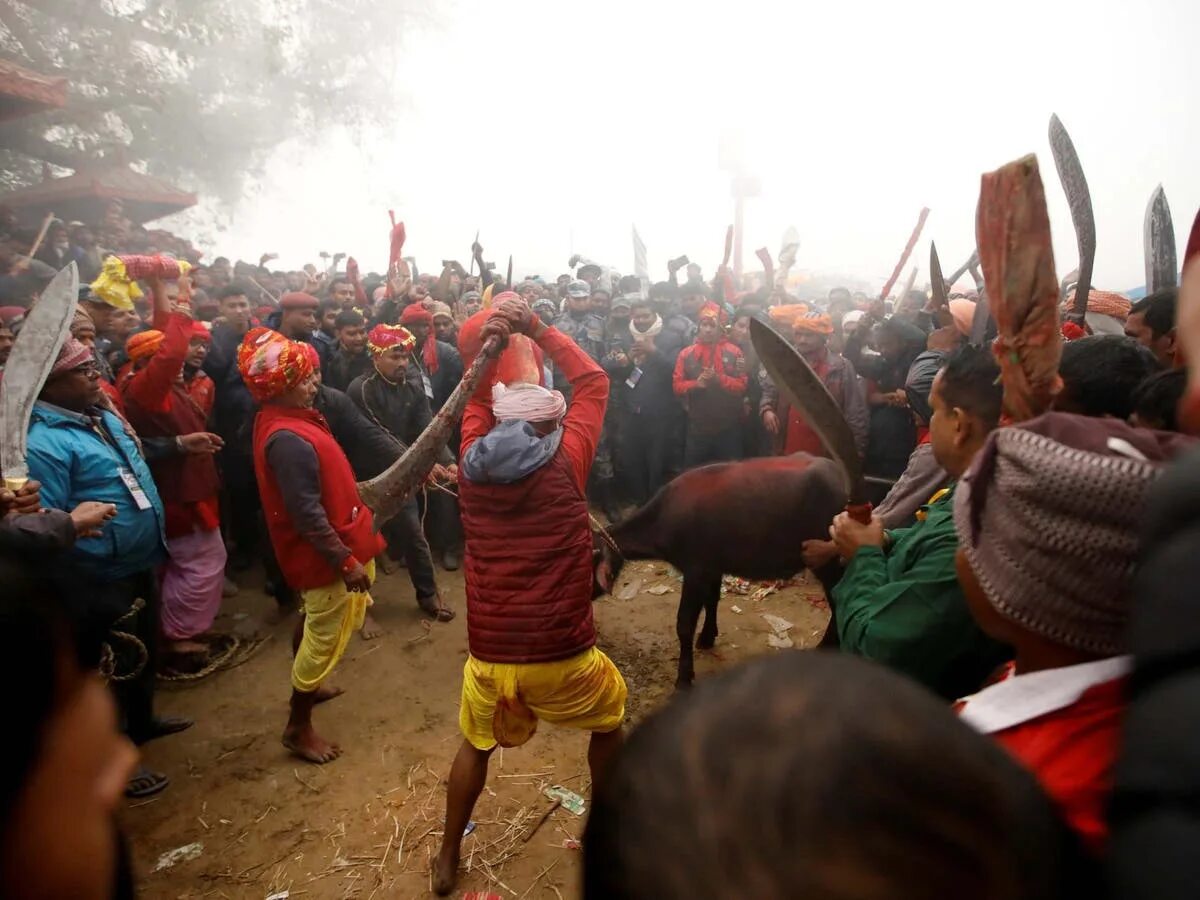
(145, 436)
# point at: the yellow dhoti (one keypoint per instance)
(502, 702)
(331, 615)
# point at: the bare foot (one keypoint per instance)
(445, 871)
(370, 629)
(385, 564)
(326, 692)
(308, 745)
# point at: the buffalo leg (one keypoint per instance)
(696, 590)
(708, 632)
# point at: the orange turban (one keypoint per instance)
(787, 313)
(963, 313)
(271, 364)
(143, 345)
(384, 337)
(1109, 303)
(814, 323)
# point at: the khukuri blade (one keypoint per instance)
(938, 286)
(808, 394)
(29, 363)
(1158, 242)
(980, 321)
(387, 492)
(1012, 230)
(1070, 173)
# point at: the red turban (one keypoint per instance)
(311, 354)
(143, 345)
(384, 337)
(74, 353)
(200, 330)
(814, 323)
(714, 312)
(271, 364)
(414, 313)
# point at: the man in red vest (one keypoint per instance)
(321, 530)
(523, 472)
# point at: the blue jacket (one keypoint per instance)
(74, 463)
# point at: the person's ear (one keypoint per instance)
(964, 426)
(1170, 343)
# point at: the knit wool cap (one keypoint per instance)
(1048, 516)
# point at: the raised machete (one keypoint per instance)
(971, 263)
(807, 393)
(1070, 173)
(941, 298)
(29, 364)
(1158, 243)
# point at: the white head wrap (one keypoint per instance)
(529, 402)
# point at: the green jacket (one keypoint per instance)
(903, 607)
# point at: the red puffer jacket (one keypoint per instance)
(528, 567)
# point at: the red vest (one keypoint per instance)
(528, 567)
(303, 567)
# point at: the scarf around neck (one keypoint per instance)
(653, 331)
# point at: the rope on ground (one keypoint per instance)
(108, 657)
(237, 652)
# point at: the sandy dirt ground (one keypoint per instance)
(366, 825)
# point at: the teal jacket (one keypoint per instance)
(903, 607)
(77, 457)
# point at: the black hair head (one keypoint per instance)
(971, 381)
(1100, 373)
(1158, 310)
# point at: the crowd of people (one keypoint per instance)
(225, 413)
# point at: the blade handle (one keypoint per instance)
(859, 512)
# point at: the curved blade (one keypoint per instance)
(29, 363)
(388, 491)
(937, 283)
(1070, 173)
(981, 320)
(804, 389)
(1158, 242)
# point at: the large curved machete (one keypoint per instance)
(33, 355)
(804, 389)
(388, 491)
(1158, 243)
(1079, 198)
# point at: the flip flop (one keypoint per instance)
(161, 727)
(145, 783)
(432, 607)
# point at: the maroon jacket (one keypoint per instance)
(528, 562)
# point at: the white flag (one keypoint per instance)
(640, 267)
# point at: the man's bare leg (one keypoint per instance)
(301, 738)
(601, 750)
(325, 691)
(467, 777)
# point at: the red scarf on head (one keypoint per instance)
(395, 251)
(413, 313)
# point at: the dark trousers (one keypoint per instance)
(443, 522)
(642, 456)
(242, 504)
(105, 605)
(406, 539)
(720, 446)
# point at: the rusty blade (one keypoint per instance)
(1079, 198)
(937, 284)
(387, 492)
(807, 393)
(1158, 243)
(981, 320)
(33, 354)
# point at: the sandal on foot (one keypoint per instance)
(145, 783)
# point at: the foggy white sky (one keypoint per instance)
(853, 115)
